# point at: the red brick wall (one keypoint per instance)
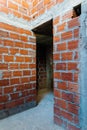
(18, 61)
(39, 7)
(66, 71)
(17, 67)
(45, 66)
(19, 8)
(27, 9)
(41, 68)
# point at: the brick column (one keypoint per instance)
(66, 71)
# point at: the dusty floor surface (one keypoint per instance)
(38, 118)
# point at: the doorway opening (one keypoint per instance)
(44, 58)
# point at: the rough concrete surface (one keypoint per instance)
(38, 118)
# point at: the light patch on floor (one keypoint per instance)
(38, 118)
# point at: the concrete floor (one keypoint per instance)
(38, 118)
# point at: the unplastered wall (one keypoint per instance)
(49, 65)
(17, 8)
(69, 58)
(69, 63)
(26, 9)
(17, 69)
(39, 7)
(66, 71)
(41, 67)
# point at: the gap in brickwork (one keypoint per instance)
(77, 11)
(44, 52)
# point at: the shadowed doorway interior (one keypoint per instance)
(44, 58)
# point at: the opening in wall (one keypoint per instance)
(77, 11)
(44, 57)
